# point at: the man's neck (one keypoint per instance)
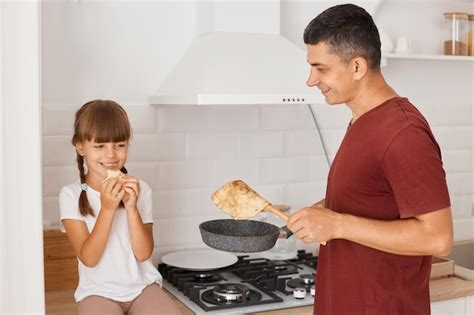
(373, 92)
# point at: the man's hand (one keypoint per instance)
(314, 224)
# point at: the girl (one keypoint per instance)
(109, 221)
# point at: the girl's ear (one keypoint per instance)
(80, 148)
(360, 67)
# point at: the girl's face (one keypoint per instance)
(101, 157)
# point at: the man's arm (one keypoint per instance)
(319, 204)
(426, 234)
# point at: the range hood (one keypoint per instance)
(232, 68)
(239, 57)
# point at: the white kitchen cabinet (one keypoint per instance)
(459, 306)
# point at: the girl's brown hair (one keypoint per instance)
(100, 121)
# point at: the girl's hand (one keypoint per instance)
(132, 191)
(111, 192)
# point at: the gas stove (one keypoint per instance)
(252, 284)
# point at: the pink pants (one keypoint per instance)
(152, 300)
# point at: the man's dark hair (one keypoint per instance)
(349, 31)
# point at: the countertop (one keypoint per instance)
(440, 289)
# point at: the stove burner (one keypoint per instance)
(231, 293)
(305, 281)
(253, 281)
(307, 278)
(203, 276)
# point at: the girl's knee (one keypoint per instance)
(154, 300)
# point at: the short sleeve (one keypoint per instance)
(144, 203)
(414, 170)
(68, 206)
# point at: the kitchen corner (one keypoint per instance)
(194, 132)
(59, 54)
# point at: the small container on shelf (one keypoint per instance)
(470, 36)
(455, 42)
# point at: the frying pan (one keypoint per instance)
(242, 236)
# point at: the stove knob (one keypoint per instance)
(313, 290)
(299, 293)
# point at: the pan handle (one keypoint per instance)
(287, 230)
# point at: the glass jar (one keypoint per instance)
(470, 36)
(455, 42)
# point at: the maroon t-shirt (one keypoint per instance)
(387, 167)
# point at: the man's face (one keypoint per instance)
(330, 75)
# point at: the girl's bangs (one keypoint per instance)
(107, 127)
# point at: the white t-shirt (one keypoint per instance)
(118, 275)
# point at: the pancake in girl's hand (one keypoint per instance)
(114, 174)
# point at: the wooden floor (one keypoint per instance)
(60, 303)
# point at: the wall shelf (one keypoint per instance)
(427, 57)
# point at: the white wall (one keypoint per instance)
(111, 49)
(21, 246)
(185, 153)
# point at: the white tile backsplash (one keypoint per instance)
(332, 139)
(459, 183)
(461, 206)
(157, 147)
(459, 113)
(332, 116)
(55, 177)
(242, 118)
(286, 117)
(453, 138)
(301, 195)
(285, 170)
(186, 152)
(147, 171)
(457, 161)
(211, 145)
(226, 170)
(318, 168)
(58, 120)
(179, 231)
(183, 118)
(198, 201)
(463, 229)
(303, 143)
(186, 174)
(58, 150)
(260, 145)
(142, 119)
(168, 204)
(143, 148)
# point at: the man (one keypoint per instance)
(387, 208)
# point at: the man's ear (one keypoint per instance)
(360, 67)
(80, 148)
